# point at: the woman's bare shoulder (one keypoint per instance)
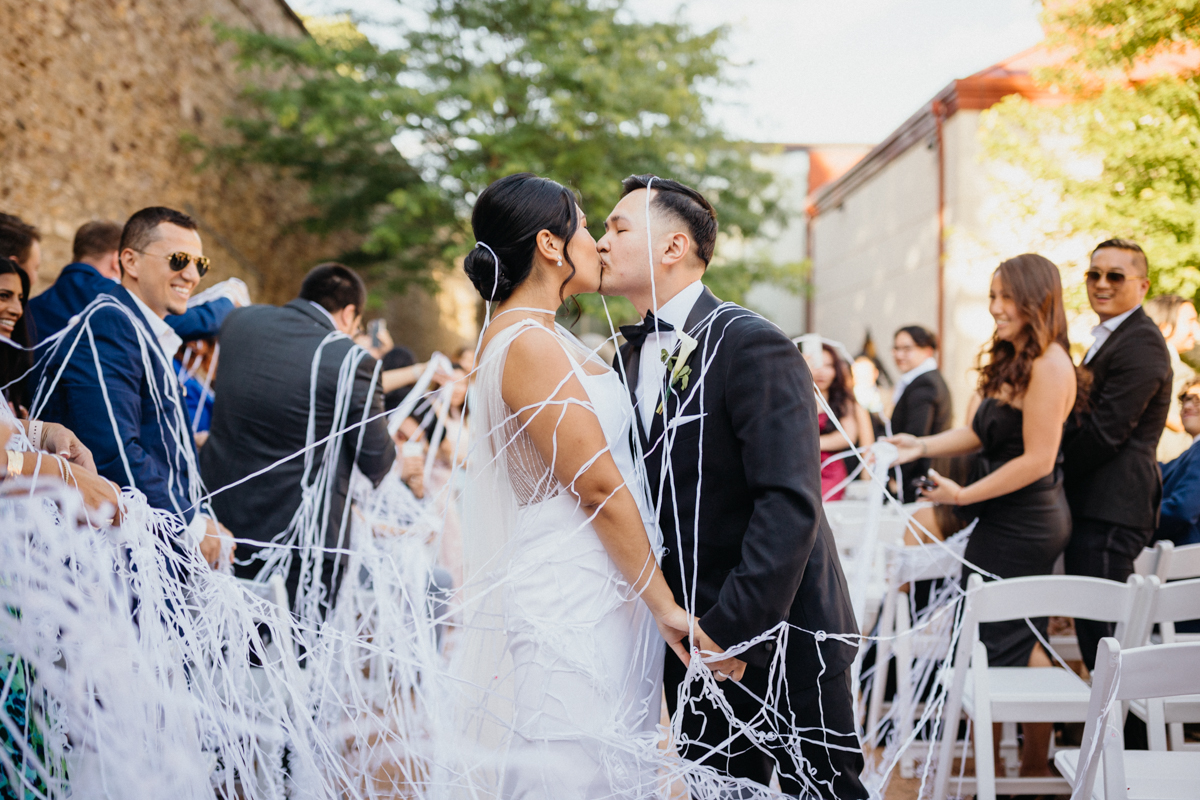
(1055, 363)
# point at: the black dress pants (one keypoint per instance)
(832, 759)
(1101, 549)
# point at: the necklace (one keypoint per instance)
(525, 308)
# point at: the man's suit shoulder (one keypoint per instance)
(736, 323)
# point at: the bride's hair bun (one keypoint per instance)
(507, 218)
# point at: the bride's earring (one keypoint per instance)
(560, 261)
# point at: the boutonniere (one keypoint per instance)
(677, 365)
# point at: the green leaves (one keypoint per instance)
(1124, 159)
(396, 144)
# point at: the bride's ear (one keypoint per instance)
(550, 247)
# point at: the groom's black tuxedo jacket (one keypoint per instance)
(743, 439)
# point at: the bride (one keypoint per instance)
(563, 590)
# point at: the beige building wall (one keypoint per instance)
(875, 256)
(95, 100)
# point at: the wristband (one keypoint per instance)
(36, 430)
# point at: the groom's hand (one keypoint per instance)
(732, 668)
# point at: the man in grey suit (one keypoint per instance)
(262, 414)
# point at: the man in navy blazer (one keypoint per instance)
(111, 378)
(96, 270)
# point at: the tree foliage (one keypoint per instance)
(1125, 157)
(397, 143)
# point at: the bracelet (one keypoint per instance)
(36, 430)
(924, 447)
(16, 462)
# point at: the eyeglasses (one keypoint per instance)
(1115, 278)
(1186, 399)
(179, 261)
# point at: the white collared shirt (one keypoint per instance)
(167, 338)
(906, 378)
(651, 370)
(325, 311)
(1104, 330)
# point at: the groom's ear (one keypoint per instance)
(678, 248)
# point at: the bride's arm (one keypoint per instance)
(550, 402)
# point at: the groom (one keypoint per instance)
(733, 466)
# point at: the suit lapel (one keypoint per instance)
(703, 308)
(1126, 324)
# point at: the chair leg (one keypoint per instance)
(883, 651)
(1010, 749)
(905, 702)
(985, 766)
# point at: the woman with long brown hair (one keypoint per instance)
(1027, 389)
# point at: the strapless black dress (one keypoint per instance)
(1020, 533)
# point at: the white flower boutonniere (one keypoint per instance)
(677, 365)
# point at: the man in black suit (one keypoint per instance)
(262, 415)
(922, 399)
(733, 466)
(1111, 475)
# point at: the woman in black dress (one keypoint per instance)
(1027, 389)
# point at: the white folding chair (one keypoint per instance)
(267, 727)
(1142, 673)
(907, 565)
(1024, 694)
(1171, 603)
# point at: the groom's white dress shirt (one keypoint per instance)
(651, 370)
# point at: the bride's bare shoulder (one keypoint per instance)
(535, 362)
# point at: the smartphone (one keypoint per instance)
(810, 345)
(376, 328)
(923, 484)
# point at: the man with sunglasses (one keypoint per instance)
(1110, 469)
(95, 269)
(111, 377)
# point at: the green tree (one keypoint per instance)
(1125, 157)
(397, 143)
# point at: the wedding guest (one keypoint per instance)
(116, 387)
(196, 372)
(21, 241)
(831, 375)
(15, 362)
(1111, 475)
(264, 399)
(1026, 393)
(921, 402)
(1179, 516)
(1176, 318)
(95, 269)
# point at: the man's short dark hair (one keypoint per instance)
(686, 204)
(96, 238)
(139, 230)
(1126, 244)
(17, 237)
(921, 336)
(334, 286)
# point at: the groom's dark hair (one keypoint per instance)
(684, 203)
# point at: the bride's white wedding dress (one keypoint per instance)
(568, 659)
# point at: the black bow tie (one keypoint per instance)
(636, 334)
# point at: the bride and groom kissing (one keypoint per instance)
(673, 496)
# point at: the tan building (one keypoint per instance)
(95, 100)
(910, 234)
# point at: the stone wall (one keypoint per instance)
(94, 99)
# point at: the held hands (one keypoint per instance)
(910, 447)
(218, 545)
(59, 440)
(673, 627)
(731, 668)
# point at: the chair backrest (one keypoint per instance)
(1148, 562)
(1140, 673)
(1183, 563)
(925, 562)
(1171, 603)
(1053, 595)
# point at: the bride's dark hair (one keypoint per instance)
(507, 217)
